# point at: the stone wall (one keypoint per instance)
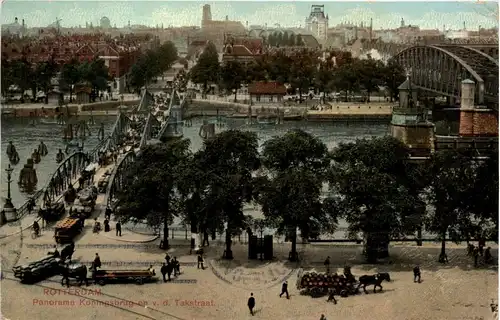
(415, 137)
(41, 112)
(478, 122)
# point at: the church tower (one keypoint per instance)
(207, 16)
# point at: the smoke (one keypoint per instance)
(375, 55)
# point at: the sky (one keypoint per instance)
(427, 15)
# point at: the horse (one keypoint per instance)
(67, 252)
(374, 280)
(75, 271)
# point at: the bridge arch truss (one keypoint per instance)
(117, 179)
(441, 69)
(63, 176)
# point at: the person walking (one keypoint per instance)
(416, 274)
(200, 262)
(251, 303)
(97, 262)
(284, 289)
(327, 265)
(118, 229)
(163, 271)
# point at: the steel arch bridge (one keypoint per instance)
(62, 178)
(440, 69)
(118, 176)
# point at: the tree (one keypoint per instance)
(369, 182)
(233, 74)
(347, 78)
(452, 177)
(290, 192)
(22, 73)
(44, 72)
(393, 76)
(207, 68)
(7, 77)
(369, 75)
(324, 78)
(151, 187)
(483, 198)
(291, 40)
(230, 158)
(167, 55)
(299, 42)
(272, 40)
(70, 76)
(279, 39)
(95, 73)
(302, 70)
(286, 40)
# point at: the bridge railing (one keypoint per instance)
(169, 121)
(119, 128)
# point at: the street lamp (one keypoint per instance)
(9, 212)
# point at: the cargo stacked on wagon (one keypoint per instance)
(37, 270)
(67, 229)
(138, 276)
(103, 182)
(43, 268)
(85, 201)
(319, 284)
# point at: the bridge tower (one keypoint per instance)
(475, 120)
(409, 123)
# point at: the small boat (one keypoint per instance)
(266, 120)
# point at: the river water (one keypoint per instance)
(26, 137)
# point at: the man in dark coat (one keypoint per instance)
(416, 274)
(200, 262)
(327, 265)
(118, 229)
(177, 267)
(97, 262)
(284, 289)
(163, 271)
(251, 303)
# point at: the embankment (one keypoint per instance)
(48, 110)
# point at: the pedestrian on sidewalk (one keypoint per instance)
(284, 289)
(107, 213)
(200, 262)
(251, 303)
(327, 265)
(163, 271)
(118, 229)
(416, 274)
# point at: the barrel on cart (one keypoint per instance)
(138, 276)
(67, 229)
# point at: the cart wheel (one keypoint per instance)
(139, 281)
(101, 282)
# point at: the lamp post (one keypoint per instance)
(9, 212)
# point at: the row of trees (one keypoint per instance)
(284, 40)
(373, 186)
(152, 64)
(38, 77)
(302, 69)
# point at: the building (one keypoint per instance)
(266, 92)
(317, 22)
(105, 23)
(14, 29)
(215, 27)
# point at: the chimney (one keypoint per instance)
(227, 18)
(468, 91)
(23, 23)
(15, 20)
(464, 26)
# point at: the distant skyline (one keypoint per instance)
(427, 15)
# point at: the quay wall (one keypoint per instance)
(51, 110)
(377, 112)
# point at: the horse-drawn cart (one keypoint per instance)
(319, 284)
(103, 182)
(139, 276)
(52, 211)
(67, 229)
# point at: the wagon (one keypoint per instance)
(316, 284)
(139, 276)
(52, 212)
(67, 229)
(103, 182)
